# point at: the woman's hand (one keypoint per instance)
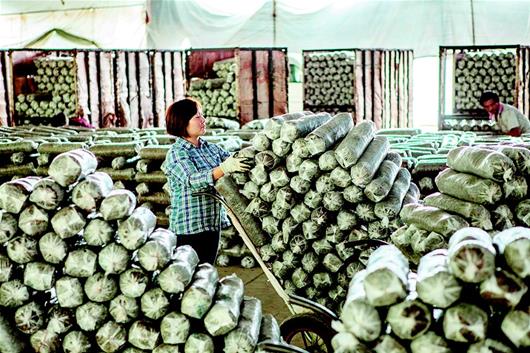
(235, 164)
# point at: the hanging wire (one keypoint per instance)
(472, 22)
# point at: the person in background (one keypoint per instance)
(193, 164)
(510, 120)
(80, 119)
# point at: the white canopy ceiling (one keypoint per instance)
(28, 6)
(422, 25)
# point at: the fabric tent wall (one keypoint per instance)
(422, 25)
(108, 27)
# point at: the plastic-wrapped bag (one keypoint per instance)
(274, 124)
(353, 145)
(432, 219)
(435, 283)
(293, 129)
(364, 170)
(326, 135)
(471, 255)
(514, 245)
(477, 214)
(327, 161)
(468, 187)
(482, 162)
(279, 177)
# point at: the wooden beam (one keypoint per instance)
(368, 85)
(526, 82)
(262, 84)
(133, 96)
(82, 81)
(178, 77)
(158, 90)
(377, 93)
(394, 108)
(410, 68)
(245, 86)
(93, 89)
(4, 117)
(168, 78)
(401, 90)
(146, 104)
(279, 82)
(359, 86)
(106, 91)
(122, 90)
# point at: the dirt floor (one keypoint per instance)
(257, 285)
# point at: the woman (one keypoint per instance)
(193, 164)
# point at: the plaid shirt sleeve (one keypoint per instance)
(222, 153)
(181, 167)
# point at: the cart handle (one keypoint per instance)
(313, 306)
(271, 346)
(212, 193)
(248, 242)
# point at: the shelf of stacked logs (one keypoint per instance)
(318, 183)
(471, 297)
(483, 187)
(131, 157)
(84, 269)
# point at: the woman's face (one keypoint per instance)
(197, 125)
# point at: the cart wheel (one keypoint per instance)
(308, 331)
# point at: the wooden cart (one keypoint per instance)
(309, 327)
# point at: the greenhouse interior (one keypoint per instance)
(295, 176)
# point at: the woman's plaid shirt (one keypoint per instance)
(189, 169)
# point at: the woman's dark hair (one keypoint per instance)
(486, 96)
(179, 114)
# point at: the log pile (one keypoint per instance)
(318, 183)
(84, 269)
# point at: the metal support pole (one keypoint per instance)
(472, 22)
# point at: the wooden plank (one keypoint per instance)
(388, 88)
(262, 84)
(93, 89)
(4, 118)
(245, 86)
(146, 104)
(384, 84)
(106, 92)
(279, 82)
(82, 81)
(401, 90)
(305, 75)
(133, 96)
(178, 77)
(394, 109)
(122, 91)
(367, 82)
(519, 73)
(359, 86)
(441, 86)
(158, 90)
(8, 62)
(526, 80)
(410, 68)
(168, 79)
(377, 93)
